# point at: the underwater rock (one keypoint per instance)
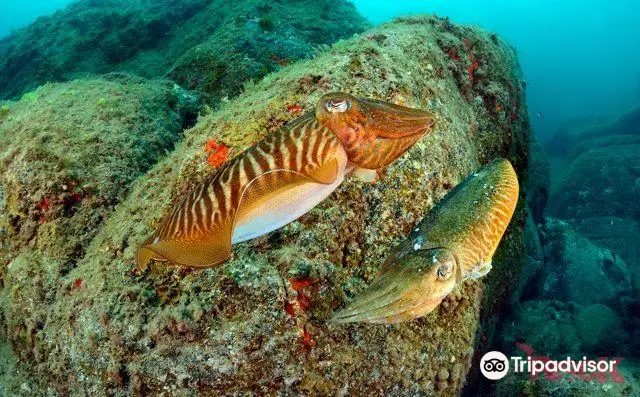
(529, 286)
(538, 179)
(547, 326)
(258, 323)
(69, 153)
(597, 195)
(559, 329)
(598, 142)
(209, 45)
(600, 330)
(71, 150)
(620, 235)
(600, 182)
(576, 270)
(570, 137)
(259, 37)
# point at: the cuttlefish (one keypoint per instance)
(454, 242)
(284, 176)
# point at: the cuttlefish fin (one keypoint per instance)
(480, 270)
(402, 292)
(145, 255)
(199, 251)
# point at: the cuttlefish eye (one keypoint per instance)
(444, 270)
(337, 105)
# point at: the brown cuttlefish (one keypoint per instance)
(454, 242)
(284, 176)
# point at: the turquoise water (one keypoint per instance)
(16, 14)
(579, 60)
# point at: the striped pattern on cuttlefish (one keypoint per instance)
(282, 177)
(455, 241)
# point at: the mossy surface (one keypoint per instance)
(209, 45)
(70, 151)
(244, 327)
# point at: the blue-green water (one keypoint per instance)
(580, 60)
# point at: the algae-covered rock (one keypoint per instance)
(620, 235)
(70, 152)
(560, 329)
(257, 324)
(571, 137)
(602, 173)
(258, 37)
(577, 270)
(598, 142)
(600, 182)
(211, 45)
(529, 285)
(600, 329)
(548, 326)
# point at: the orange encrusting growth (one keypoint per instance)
(217, 153)
(473, 63)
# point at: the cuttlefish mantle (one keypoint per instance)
(283, 177)
(454, 242)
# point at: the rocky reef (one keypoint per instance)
(213, 46)
(85, 321)
(597, 191)
(579, 292)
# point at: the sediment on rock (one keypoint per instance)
(247, 326)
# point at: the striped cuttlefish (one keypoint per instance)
(455, 241)
(284, 176)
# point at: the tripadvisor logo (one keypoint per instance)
(494, 365)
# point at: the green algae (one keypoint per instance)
(184, 37)
(4, 111)
(66, 162)
(244, 324)
(29, 97)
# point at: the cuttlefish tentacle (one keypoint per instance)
(415, 288)
(276, 181)
(455, 241)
